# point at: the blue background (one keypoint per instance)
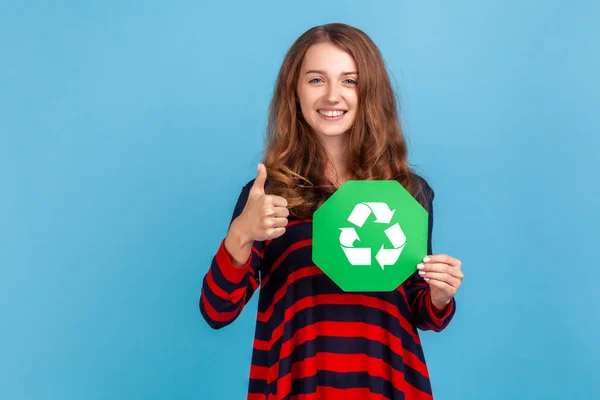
(128, 128)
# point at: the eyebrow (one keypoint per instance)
(315, 71)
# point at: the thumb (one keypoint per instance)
(261, 178)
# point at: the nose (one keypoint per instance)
(333, 93)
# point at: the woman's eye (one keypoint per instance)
(350, 81)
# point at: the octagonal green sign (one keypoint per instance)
(369, 236)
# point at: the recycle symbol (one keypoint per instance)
(362, 255)
(370, 208)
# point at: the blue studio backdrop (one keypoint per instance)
(128, 128)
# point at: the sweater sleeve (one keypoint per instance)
(417, 290)
(226, 288)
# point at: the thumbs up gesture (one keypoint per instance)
(265, 216)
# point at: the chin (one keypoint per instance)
(332, 134)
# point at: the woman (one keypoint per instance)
(333, 117)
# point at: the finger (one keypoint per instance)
(445, 259)
(443, 286)
(281, 212)
(278, 201)
(443, 268)
(259, 181)
(275, 232)
(280, 222)
(442, 277)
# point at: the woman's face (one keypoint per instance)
(327, 89)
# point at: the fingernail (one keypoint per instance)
(422, 273)
(420, 266)
(426, 259)
(426, 279)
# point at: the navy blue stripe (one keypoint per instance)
(343, 313)
(260, 358)
(429, 320)
(222, 282)
(295, 260)
(301, 288)
(256, 262)
(305, 287)
(259, 386)
(295, 233)
(322, 284)
(314, 285)
(211, 322)
(219, 304)
(296, 291)
(349, 380)
(343, 345)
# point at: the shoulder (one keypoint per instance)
(421, 183)
(423, 192)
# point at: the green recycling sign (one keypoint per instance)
(369, 236)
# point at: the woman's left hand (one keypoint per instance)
(444, 275)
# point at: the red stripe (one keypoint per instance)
(326, 392)
(258, 253)
(234, 296)
(437, 321)
(291, 223)
(420, 282)
(232, 273)
(347, 329)
(295, 246)
(257, 372)
(263, 345)
(298, 221)
(216, 315)
(418, 301)
(418, 309)
(342, 363)
(345, 298)
(256, 396)
(293, 277)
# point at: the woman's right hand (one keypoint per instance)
(264, 216)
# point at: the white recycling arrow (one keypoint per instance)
(358, 256)
(358, 217)
(388, 256)
(396, 235)
(398, 239)
(348, 236)
(382, 212)
(361, 212)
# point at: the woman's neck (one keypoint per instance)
(337, 170)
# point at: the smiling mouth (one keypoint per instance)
(332, 115)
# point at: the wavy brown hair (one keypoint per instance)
(295, 157)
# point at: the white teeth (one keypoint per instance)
(332, 113)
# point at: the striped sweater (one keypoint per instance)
(314, 341)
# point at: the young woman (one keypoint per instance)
(333, 117)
